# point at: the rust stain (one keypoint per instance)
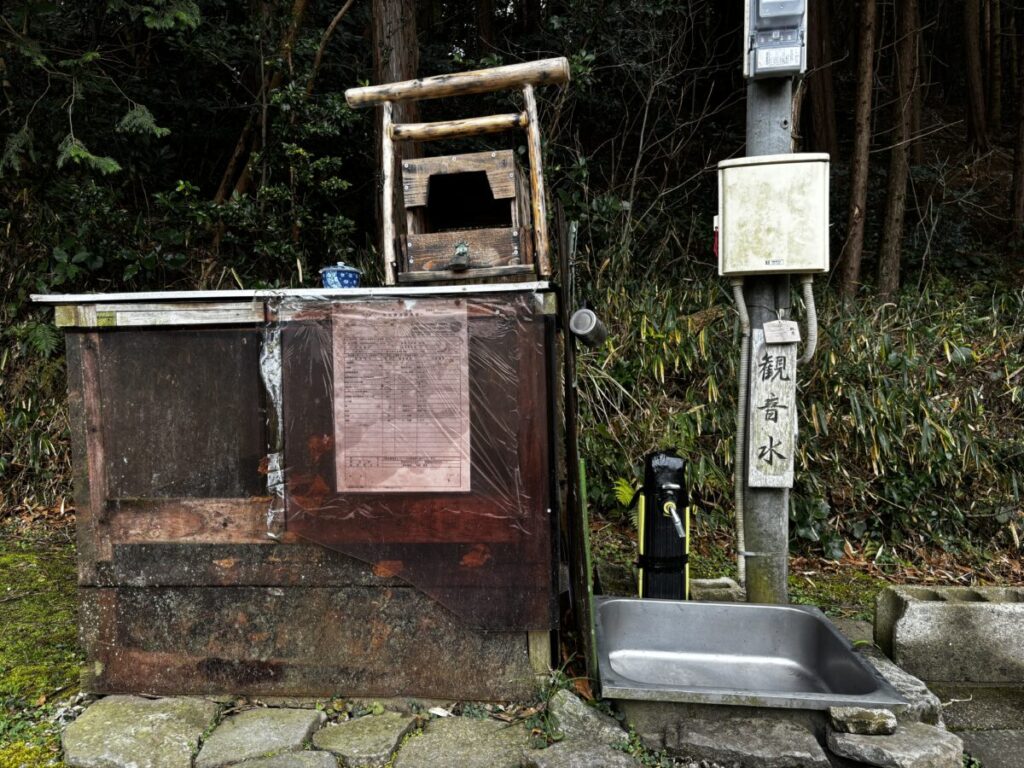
(386, 568)
(227, 564)
(476, 557)
(319, 446)
(318, 487)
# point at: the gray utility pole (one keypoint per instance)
(766, 520)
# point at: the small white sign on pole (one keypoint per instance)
(772, 414)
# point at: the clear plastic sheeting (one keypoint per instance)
(417, 437)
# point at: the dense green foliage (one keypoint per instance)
(121, 118)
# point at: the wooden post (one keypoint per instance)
(387, 162)
(542, 249)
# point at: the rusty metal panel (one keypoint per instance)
(294, 641)
(166, 564)
(486, 552)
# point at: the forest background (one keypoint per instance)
(186, 144)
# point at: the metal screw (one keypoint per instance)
(405, 187)
(510, 174)
(405, 166)
(494, 154)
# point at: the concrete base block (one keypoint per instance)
(954, 634)
(657, 722)
(720, 590)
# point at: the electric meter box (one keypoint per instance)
(775, 38)
(773, 214)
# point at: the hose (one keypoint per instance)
(807, 284)
(741, 427)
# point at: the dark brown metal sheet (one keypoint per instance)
(486, 554)
(181, 412)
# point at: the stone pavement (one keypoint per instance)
(138, 732)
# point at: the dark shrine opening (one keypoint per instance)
(458, 201)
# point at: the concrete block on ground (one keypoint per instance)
(914, 745)
(953, 634)
(657, 722)
(720, 590)
(753, 742)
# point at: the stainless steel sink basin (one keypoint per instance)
(731, 653)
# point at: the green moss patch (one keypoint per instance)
(39, 655)
(25, 755)
(844, 592)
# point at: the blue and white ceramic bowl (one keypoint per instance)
(340, 275)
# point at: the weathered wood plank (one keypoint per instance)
(498, 165)
(496, 247)
(541, 243)
(511, 272)
(522, 217)
(543, 72)
(465, 128)
(198, 521)
(540, 652)
(771, 414)
(151, 314)
(294, 641)
(83, 419)
(387, 160)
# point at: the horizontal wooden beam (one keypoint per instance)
(543, 72)
(450, 129)
(180, 313)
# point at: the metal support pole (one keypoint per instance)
(766, 520)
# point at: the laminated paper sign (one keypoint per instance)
(401, 396)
